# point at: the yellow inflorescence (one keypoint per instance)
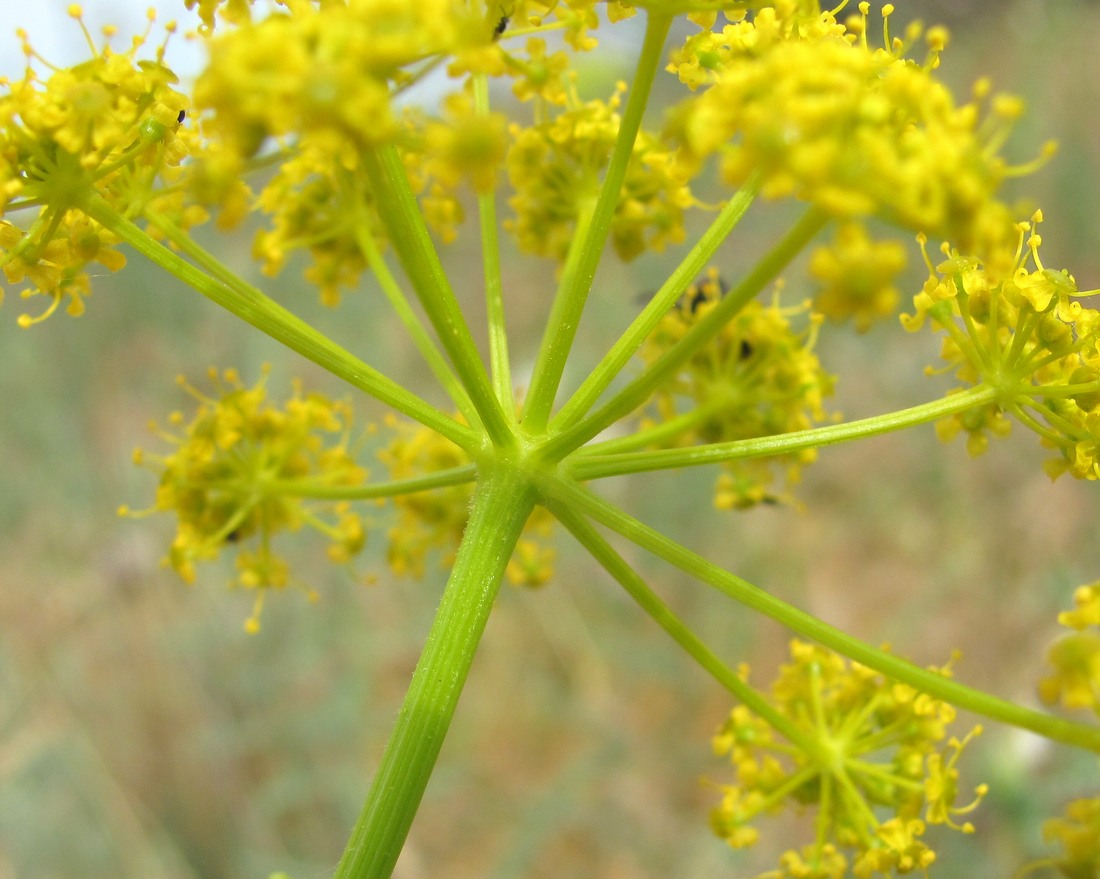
(857, 276)
(230, 11)
(829, 119)
(1074, 681)
(1017, 326)
(758, 377)
(783, 89)
(866, 754)
(245, 470)
(556, 169)
(321, 207)
(784, 98)
(1078, 832)
(326, 74)
(108, 129)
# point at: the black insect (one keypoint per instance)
(704, 290)
(181, 117)
(501, 26)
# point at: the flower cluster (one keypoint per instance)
(556, 168)
(245, 470)
(857, 276)
(231, 11)
(319, 206)
(808, 103)
(868, 754)
(104, 131)
(758, 377)
(783, 100)
(325, 74)
(1075, 656)
(1016, 326)
(1078, 832)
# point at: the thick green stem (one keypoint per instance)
(567, 492)
(502, 502)
(565, 314)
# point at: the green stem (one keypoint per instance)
(416, 330)
(662, 614)
(414, 248)
(662, 433)
(569, 302)
(689, 269)
(499, 366)
(591, 464)
(253, 307)
(638, 391)
(566, 492)
(318, 490)
(502, 502)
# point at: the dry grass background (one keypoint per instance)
(143, 736)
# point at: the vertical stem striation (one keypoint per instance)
(502, 502)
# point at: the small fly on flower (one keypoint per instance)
(709, 288)
(707, 291)
(502, 24)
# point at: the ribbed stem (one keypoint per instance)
(502, 502)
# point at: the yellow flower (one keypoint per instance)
(112, 128)
(319, 206)
(231, 11)
(812, 862)
(857, 276)
(859, 746)
(1018, 327)
(1086, 609)
(325, 74)
(901, 849)
(556, 169)
(941, 786)
(1079, 834)
(538, 74)
(758, 377)
(465, 146)
(244, 470)
(829, 119)
(1075, 656)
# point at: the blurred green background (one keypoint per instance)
(144, 736)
